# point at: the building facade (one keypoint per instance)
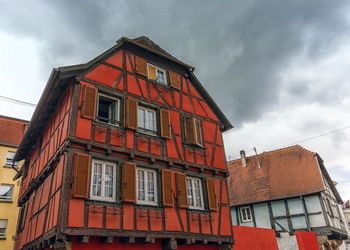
(128, 154)
(288, 190)
(11, 133)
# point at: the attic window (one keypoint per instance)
(108, 109)
(157, 74)
(246, 214)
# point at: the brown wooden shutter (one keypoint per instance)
(167, 186)
(165, 129)
(81, 175)
(199, 138)
(131, 113)
(189, 130)
(152, 75)
(213, 205)
(174, 80)
(141, 66)
(89, 102)
(181, 190)
(129, 182)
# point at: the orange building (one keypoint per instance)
(125, 152)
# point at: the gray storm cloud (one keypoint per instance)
(240, 48)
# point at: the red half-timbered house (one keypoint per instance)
(125, 152)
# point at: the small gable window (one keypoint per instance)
(157, 74)
(108, 109)
(246, 214)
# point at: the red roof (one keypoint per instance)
(283, 173)
(11, 130)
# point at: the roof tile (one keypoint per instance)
(284, 173)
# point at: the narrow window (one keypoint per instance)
(108, 109)
(3, 227)
(193, 131)
(194, 193)
(21, 219)
(103, 181)
(147, 121)
(199, 137)
(6, 192)
(157, 74)
(146, 186)
(9, 159)
(246, 214)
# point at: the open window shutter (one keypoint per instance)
(181, 191)
(141, 66)
(129, 182)
(89, 102)
(199, 139)
(174, 80)
(152, 75)
(131, 113)
(167, 186)
(165, 129)
(81, 175)
(189, 130)
(211, 194)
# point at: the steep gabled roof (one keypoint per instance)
(286, 172)
(60, 77)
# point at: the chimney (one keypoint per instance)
(243, 159)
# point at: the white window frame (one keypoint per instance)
(146, 201)
(160, 69)
(114, 188)
(9, 160)
(145, 130)
(117, 101)
(3, 234)
(194, 194)
(248, 213)
(6, 198)
(199, 141)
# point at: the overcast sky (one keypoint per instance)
(278, 69)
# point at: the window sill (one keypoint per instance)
(6, 201)
(147, 206)
(107, 124)
(193, 146)
(150, 134)
(197, 211)
(9, 166)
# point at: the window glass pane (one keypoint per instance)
(109, 181)
(189, 192)
(97, 180)
(6, 191)
(141, 118)
(160, 76)
(141, 185)
(244, 215)
(113, 112)
(197, 193)
(150, 186)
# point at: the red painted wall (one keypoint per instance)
(307, 240)
(251, 238)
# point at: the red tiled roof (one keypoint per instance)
(283, 173)
(11, 130)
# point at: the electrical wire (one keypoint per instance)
(300, 141)
(17, 101)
